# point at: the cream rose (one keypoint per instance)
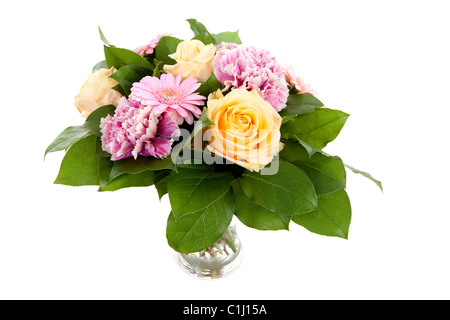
(97, 92)
(194, 60)
(246, 130)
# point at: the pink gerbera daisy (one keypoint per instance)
(170, 94)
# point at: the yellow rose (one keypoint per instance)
(246, 130)
(194, 60)
(97, 92)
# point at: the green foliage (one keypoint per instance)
(118, 58)
(209, 86)
(299, 104)
(167, 45)
(332, 216)
(201, 33)
(367, 175)
(327, 173)
(196, 231)
(129, 74)
(317, 128)
(93, 121)
(256, 216)
(195, 187)
(68, 137)
(80, 165)
(288, 192)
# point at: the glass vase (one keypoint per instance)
(217, 261)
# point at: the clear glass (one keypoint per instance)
(217, 261)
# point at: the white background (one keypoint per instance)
(387, 63)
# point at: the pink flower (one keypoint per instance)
(148, 49)
(135, 130)
(171, 95)
(251, 68)
(296, 82)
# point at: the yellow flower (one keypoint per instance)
(97, 92)
(194, 60)
(246, 130)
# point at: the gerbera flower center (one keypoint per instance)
(169, 92)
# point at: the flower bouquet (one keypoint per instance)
(222, 128)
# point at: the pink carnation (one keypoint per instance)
(251, 68)
(296, 82)
(136, 130)
(148, 49)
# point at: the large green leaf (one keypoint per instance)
(199, 230)
(327, 173)
(141, 164)
(129, 74)
(331, 218)
(367, 175)
(254, 215)
(80, 164)
(118, 58)
(300, 104)
(68, 137)
(167, 45)
(288, 192)
(195, 187)
(143, 179)
(317, 128)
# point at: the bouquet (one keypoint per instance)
(221, 127)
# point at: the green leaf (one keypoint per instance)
(254, 215)
(79, 166)
(204, 37)
(143, 179)
(327, 173)
(118, 58)
(102, 37)
(230, 37)
(367, 175)
(161, 186)
(167, 45)
(195, 188)
(68, 137)
(197, 27)
(104, 170)
(331, 218)
(100, 65)
(317, 128)
(300, 104)
(288, 192)
(93, 121)
(199, 230)
(211, 85)
(141, 164)
(129, 74)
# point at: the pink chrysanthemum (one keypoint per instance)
(170, 94)
(296, 82)
(148, 49)
(252, 68)
(135, 130)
